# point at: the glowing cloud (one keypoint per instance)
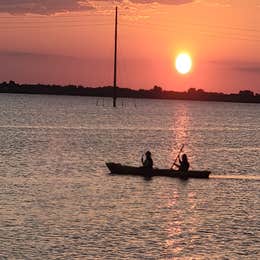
(46, 7)
(43, 7)
(166, 2)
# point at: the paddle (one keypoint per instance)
(142, 158)
(177, 156)
(143, 155)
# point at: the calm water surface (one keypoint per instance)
(57, 200)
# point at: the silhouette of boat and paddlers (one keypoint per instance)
(147, 168)
(181, 164)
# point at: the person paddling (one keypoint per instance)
(148, 161)
(184, 164)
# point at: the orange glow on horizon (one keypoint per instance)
(69, 48)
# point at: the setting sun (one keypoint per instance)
(183, 63)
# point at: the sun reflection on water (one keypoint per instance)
(181, 205)
(180, 127)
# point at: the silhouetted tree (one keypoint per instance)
(107, 91)
(246, 93)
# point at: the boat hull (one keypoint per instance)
(116, 168)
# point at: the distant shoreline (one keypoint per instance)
(244, 96)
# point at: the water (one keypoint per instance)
(57, 200)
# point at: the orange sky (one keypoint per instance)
(72, 43)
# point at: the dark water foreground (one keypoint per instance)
(59, 202)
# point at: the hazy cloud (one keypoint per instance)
(27, 55)
(241, 66)
(224, 3)
(166, 2)
(43, 7)
(231, 3)
(253, 68)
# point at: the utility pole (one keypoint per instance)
(115, 63)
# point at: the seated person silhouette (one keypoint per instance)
(148, 161)
(183, 165)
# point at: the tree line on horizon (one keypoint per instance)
(245, 96)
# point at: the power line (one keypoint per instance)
(253, 29)
(205, 33)
(215, 27)
(50, 22)
(78, 24)
(56, 26)
(25, 19)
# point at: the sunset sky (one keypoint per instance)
(71, 42)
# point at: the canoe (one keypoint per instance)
(117, 168)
